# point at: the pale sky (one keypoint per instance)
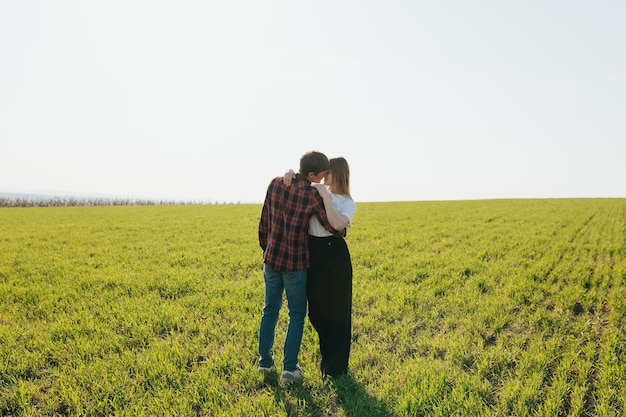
(209, 100)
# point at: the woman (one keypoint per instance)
(329, 277)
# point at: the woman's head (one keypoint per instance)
(338, 177)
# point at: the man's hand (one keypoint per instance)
(322, 189)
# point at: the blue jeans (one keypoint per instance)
(294, 285)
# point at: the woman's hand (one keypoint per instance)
(288, 177)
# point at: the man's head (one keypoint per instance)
(313, 165)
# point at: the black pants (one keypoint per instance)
(329, 292)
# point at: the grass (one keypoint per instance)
(481, 308)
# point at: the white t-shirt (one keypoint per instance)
(345, 206)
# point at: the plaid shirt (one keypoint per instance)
(284, 223)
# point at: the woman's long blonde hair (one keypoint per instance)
(341, 175)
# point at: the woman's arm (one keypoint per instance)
(288, 177)
(336, 220)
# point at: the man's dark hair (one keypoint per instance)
(314, 162)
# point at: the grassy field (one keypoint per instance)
(468, 308)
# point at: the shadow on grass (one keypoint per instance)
(299, 403)
(352, 397)
(355, 400)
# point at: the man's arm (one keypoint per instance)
(337, 220)
(320, 211)
(264, 222)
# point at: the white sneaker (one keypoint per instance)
(267, 371)
(293, 376)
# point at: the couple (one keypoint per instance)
(301, 233)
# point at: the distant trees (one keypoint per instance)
(75, 202)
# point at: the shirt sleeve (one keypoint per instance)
(264, 223)
(347, 207)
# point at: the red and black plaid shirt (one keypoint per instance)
(284, 223)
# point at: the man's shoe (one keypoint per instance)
(267, 371)
(289, 377)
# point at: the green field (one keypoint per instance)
(466, 308)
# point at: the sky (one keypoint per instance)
(209, 100)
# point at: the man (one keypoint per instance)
(283, 236)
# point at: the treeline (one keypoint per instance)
(76, 202)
